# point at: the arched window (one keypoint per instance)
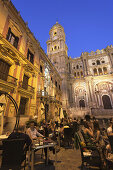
(95, 71)
(98, 62)
(105, 70)
(55, 47)
(81, 74)
(100, 71)
(106, 102)
(78, 75)
(75, 74)
(77, 66)
(81, 103)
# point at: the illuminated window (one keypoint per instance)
(75, 74)
(77, 66)
(55, 33)
(81, 74)
(98, 62)
(12, 38)
(55, 47)
(78, 75)
(95, 71)
(100, 71)
(105, 70)
(30, 56)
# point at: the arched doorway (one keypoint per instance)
(81, 103)
(106, 102)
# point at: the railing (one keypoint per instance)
(26, 87)
(101, 112)
(8, 78)
(42, 93)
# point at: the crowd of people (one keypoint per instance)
(95, 132)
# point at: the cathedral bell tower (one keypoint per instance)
(57, 53)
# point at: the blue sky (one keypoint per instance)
(88, 24)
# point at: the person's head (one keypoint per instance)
(32, 124)
(21, 128)
(112, 120)
(94, 118)
(85, 123)
(61, 125)
(30, 117)
(96, 125)
(87, 118)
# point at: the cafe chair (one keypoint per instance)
(88, 156)
(14, 154)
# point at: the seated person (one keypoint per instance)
(32, 132)
(19, 134)
(87, 133)
(110, 128)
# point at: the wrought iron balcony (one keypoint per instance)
(26, 87)
(42, 93)
(8, 78)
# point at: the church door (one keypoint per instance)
(106, 102)
(81, 103)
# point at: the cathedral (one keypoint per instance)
(87, 81)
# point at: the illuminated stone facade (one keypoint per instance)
(87, 80)
(26, 73)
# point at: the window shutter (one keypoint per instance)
(9, 31)
(32, 58)
(16, 42)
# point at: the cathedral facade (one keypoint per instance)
(87, 81)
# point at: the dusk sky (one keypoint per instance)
(88, 24)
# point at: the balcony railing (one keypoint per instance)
(26, 87)
(8, 78)
(42, 93)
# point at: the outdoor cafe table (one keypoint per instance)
(36, 148)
